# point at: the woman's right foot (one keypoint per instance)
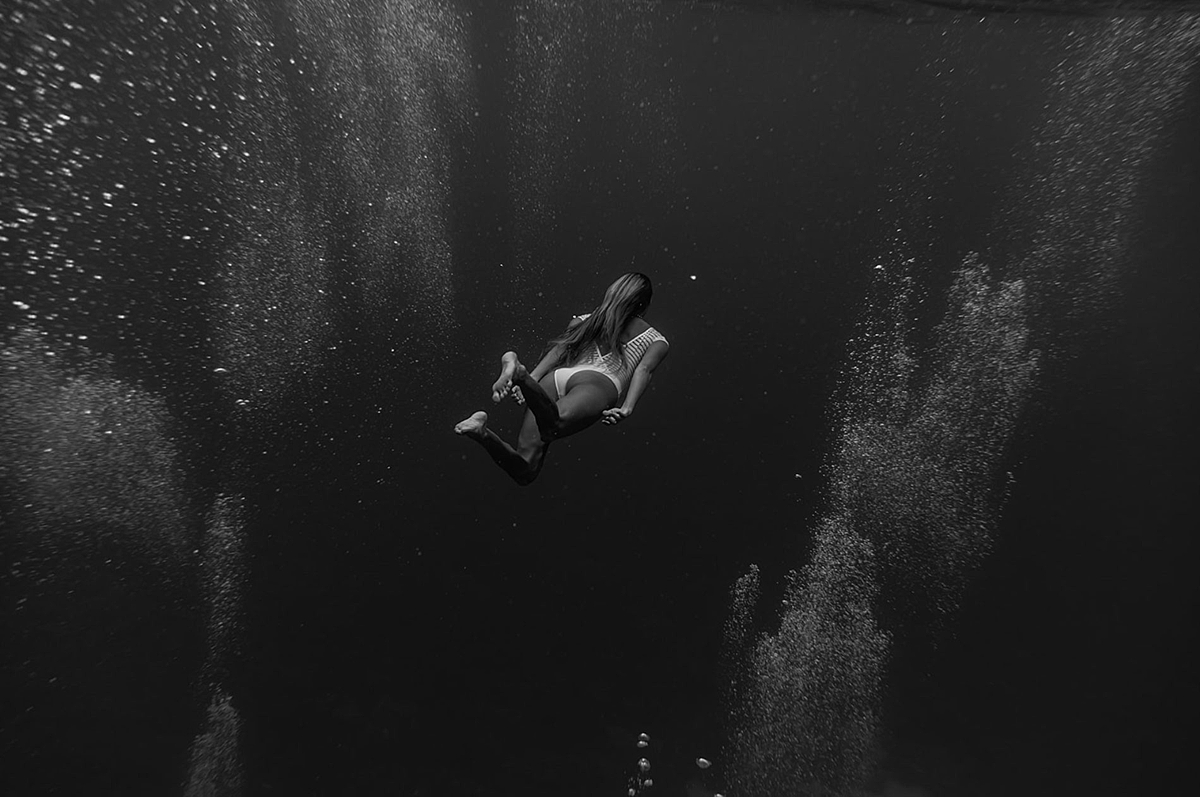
(510, 371)
(473, 427)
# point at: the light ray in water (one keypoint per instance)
(273, 306)
(557, 45)
(395, 89)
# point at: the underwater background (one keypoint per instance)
(910, 509)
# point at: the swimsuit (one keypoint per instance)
(609, 364)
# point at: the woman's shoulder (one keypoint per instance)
(635, 327)
(654, 334)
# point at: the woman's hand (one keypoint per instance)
(615, 415)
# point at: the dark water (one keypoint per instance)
(908, 511)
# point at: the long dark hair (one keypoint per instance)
(627, 297)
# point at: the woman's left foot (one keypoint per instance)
(473, 427)
(511, 371)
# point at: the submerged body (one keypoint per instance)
(596, 371)
(610, 364)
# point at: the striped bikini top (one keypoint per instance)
(635, 349)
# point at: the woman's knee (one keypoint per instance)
(572, 420)
(568, 419)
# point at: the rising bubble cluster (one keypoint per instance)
(916, 478)
(922, 444)
(215, 768)
(106, 211)
(1116, 89)
(912, 483)
(805, 714)
(85, 453)
(223, 574)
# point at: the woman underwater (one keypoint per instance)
(603, 355)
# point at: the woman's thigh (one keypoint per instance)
(589, 394)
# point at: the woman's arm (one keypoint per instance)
(553, 356)
(641, 374)
(547, 364)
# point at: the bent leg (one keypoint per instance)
(532, 445)
(531, 448)
(517, 464)
(588, 395)
(540, 399)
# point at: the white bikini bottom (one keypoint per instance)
(563, 375)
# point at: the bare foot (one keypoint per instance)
(473, 427)
(511, 371)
